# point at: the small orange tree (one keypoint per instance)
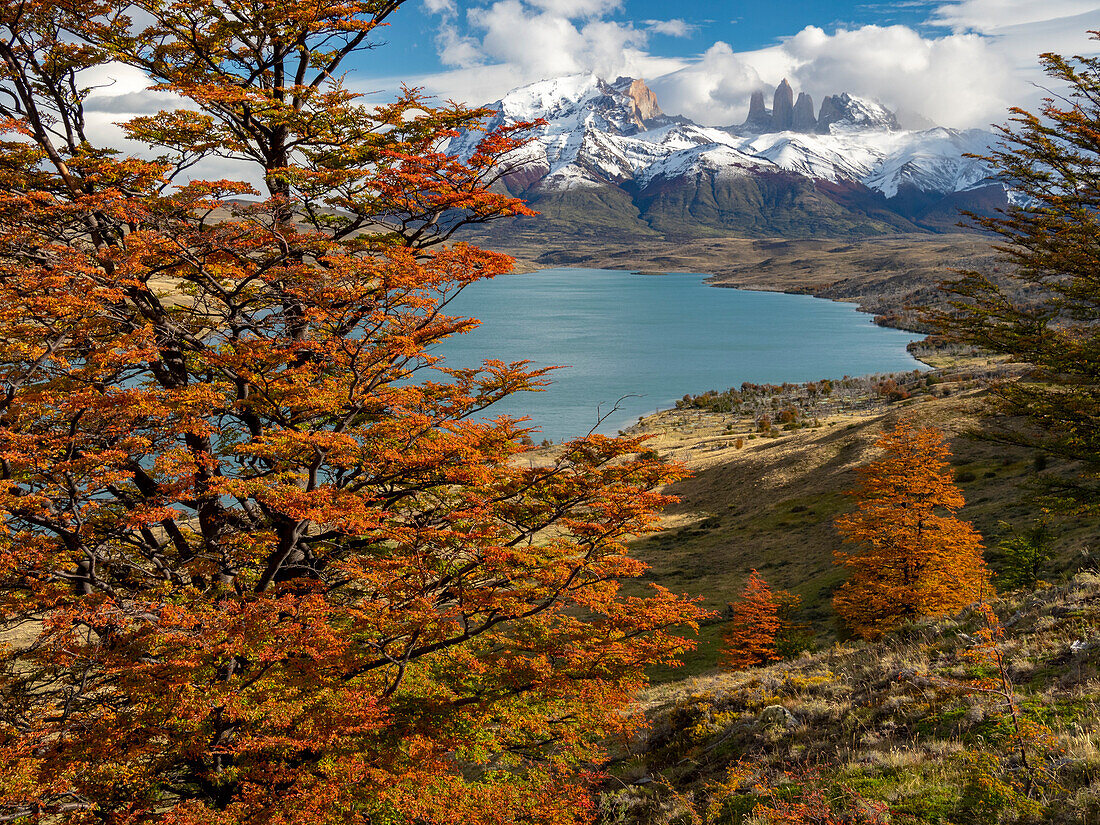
(750, 638)
(266, 568)
(914, 557)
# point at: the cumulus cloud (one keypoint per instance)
(119, 93)
(455, 49)
(577, 8)
(893, 64)
(978, 58)
(507, 43)
(440, 7)
(714, 91)
(958, 80)
(1021, 29)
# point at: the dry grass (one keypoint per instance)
(878, 718)
(770, 505)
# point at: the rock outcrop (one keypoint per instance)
(646, 107)
(855, 112)
(789, 116)
(832, 111)
(804, 120)
(774, 715)
(760, 119)
(783, 107)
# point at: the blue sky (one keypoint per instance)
(411, 47)
(955, 62)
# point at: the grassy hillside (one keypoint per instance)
(975, 719)
(897, 725)
(770, 503)
(584, 214)
(761, 206)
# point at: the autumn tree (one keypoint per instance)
(750, 636)
(260, 561)
(1041, 307)
(913, 557)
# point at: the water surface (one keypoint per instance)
(643, 341)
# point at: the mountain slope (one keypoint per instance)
(606, 153)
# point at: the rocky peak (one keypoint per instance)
(783, 107)
(804, 120)
(760, 119)
(590, 137)
(786, 115)
(846, 110)
(645, 102)
(832, 111)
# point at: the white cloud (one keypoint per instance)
(983, 60)
(447, 7)
(1022, 29)
(959, 80)
(714, 91)
(987, 16)
(578, 8)
(120, 93)
(672, 28)
(456, 49)
(508, 43)
(892, 64)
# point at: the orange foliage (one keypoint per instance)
(273, 569)
(817, 805)
(750, 638)
(914, 557)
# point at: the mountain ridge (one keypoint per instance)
(848, 171)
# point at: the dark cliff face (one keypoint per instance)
(760, 119)
(832, 111)
(844, 108)
(783, 107)
(804, 120)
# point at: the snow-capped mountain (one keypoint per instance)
(841, 168)
(932, 160)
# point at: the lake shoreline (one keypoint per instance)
(884, 276)
(708, 279)
(639, 344)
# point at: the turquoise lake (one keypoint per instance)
(653, 338)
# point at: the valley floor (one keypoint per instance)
(905, 730)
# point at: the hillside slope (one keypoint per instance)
(770, 503)
(896, 725)
(887, 276)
